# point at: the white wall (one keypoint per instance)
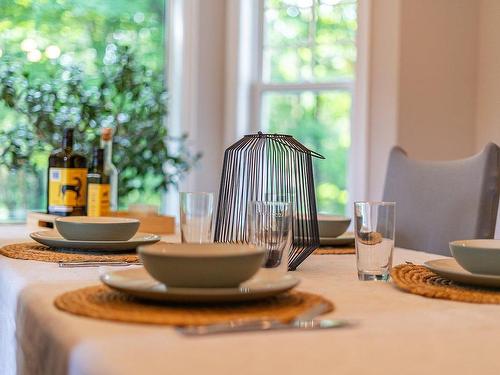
(434, 80)
(383, 98)
(488, 78)
(197, 86)
(488, 83)
(437, 78)
(210, 103)
(423, 79)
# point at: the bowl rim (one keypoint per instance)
(476, 244)
(159, 250)
(88, 220)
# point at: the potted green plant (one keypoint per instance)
(124, 95)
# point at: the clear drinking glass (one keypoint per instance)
(374, 231)
(269, 225)
(196, 215)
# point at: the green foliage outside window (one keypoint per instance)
(309, 42)
(84, 64)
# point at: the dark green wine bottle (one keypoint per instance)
(67, 180)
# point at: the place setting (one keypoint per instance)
(334, 239)
(209, 287)
(471, 275)
(85, 241)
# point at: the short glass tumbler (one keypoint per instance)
(374, 224)
(196, 216)
(269, 225)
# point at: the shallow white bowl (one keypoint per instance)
(331, 226)
(477, 256)
(215, 265)
(85, 228)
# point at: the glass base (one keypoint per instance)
(373, 277)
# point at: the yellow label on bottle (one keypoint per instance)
(98, 200)
(67, 189)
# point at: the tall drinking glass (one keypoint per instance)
(374, 231)
(196, 215)
(269, 225)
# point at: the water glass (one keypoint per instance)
(196, 216)
(269, 225)
(374, 225)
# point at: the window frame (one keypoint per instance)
(260, 87)
(358, 150)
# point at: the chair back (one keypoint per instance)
(442, 201)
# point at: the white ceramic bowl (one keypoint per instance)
(477, 256)
(331, 226)
(214, 265)
(85, 228)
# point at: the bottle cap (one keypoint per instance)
(107, 134)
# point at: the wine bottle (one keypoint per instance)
(109, 167)
(98, 190)
(67, 179)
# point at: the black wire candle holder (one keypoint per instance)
(264, 167)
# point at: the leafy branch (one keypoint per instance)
(125, 95)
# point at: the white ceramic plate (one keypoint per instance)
(450, 269)
(344, 239)
(53, 239)
(139, 283)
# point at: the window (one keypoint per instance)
(42, 35)
(305, 84)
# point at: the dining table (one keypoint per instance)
(392, 331)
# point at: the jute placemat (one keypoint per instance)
(100, 302)
(34, 251)
(332, 250)
(420, 280)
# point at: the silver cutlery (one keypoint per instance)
(304, 321)
(95, 264)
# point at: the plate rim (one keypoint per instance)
(192, 292)
(475, 278)
(154, 237)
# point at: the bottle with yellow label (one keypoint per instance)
(98, 201)
(67, 180)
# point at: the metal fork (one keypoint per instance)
(302, 321)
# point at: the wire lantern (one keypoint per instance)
(269, 167)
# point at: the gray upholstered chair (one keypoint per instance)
(441, 201)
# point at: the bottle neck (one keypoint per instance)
(67, 141)
(98, 161)
(97, 166)
(108, 151)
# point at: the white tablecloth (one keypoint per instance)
(397, 332)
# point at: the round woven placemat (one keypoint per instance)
(331, 250)
(34, 251)
(420, 280)
(100, 302)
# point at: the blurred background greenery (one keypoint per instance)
(305, 43)
(48, 37)
(311, 44)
